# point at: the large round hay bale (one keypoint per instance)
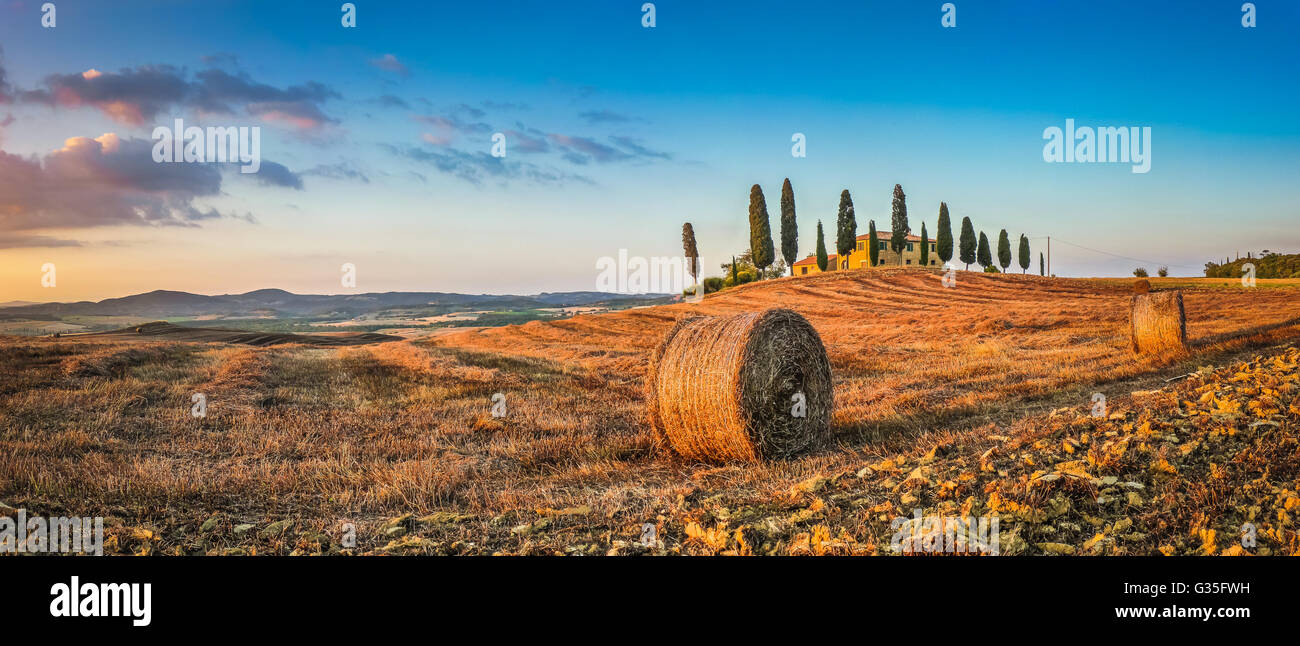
(727, 388)
(1141, 286)
(1158, 323)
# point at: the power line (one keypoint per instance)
(1148, 262)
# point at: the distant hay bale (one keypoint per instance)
(1141, 286)
(1158, 323)
(726, 388)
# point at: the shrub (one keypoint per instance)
(1140, 272)
(1163, 271)
(740, 278)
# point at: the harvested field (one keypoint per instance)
(907, 352)
(943, 400)
(160, 330)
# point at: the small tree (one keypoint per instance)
(822, 260)
(1004, 250)
(1025, 258)
(898, 220)
(1140, 272)
(873, 252)
(943, 239)
(789, 231)
(846, 234)
(1163, 272)
(984, 256)
(734, 271)
(925, 247)
(760, 230)
(967, 242)
(1042, 266)
(692, 253)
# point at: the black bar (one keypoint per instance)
(344, 593)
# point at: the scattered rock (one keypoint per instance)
(410, 545)
(443, 518)
(275, 529)
(529, 528)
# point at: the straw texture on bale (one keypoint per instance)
(1141, 286)
(1158, 323)
(724, 388)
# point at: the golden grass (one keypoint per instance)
(905, 350)
(326, 436)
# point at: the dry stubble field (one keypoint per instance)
(961, 400)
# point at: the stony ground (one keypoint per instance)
(1179, 470)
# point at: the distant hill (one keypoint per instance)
(160, 330)
(278, 303)
(1273, 265)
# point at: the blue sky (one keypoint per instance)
(616, 134)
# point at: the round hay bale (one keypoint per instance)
(726, 388)
(1141, 286)
(1158, 323)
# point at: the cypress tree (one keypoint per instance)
(760, 231)
(898, 220)
(873, 253)
(1042, 266)
(846, 231)
(944, 236)
(1025, 258)
(822, 260)
(1004, 250)
(967, 242)
(692, 254)
(983, 255)
(735, 275)
(789, 231)
(925, 247)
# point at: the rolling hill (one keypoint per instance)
(278, 303)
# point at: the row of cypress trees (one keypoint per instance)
(970, 249)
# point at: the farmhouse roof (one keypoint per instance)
(812, 260)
